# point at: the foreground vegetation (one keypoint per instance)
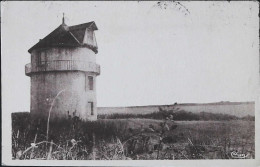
(117, 139)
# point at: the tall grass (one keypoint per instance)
(49, 115)
(112, 139)
(30, 134)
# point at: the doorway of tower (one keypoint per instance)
(91, 107)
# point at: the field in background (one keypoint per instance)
(239, 109)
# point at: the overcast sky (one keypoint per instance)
(189, 52)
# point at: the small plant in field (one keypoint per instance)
(138, 143)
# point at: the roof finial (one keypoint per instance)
(63, 19)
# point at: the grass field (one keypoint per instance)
(115, 139)
(216, 137)
(239, 109)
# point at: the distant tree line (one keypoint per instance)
(178, 115)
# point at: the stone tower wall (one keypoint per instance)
(56, 69)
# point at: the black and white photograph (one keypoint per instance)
(126, 82)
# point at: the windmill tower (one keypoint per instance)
(63, 72)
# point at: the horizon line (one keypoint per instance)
(210, 103)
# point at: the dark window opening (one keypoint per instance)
(90, 82)
(90, 33)
(91, 104)
(86, 82)
(41, 58)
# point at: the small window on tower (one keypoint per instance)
(89, 37)
(90, 82)
(86, 81)
(41, 58)
(91, 104)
